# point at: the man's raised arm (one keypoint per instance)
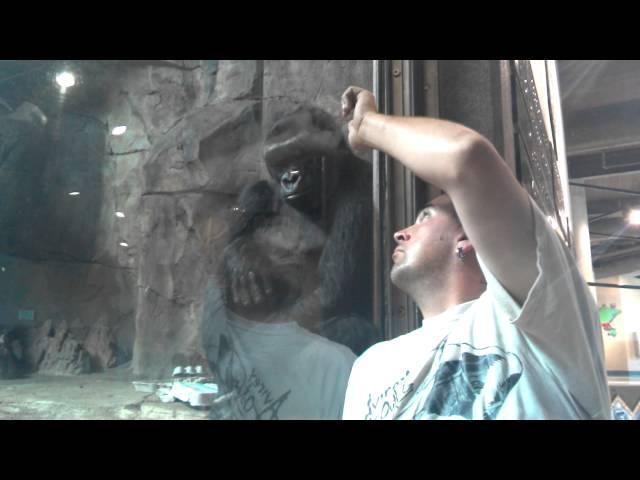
(492, 206)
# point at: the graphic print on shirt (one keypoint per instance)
(381, 405)
(252, 398)
(469, 382)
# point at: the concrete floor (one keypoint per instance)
(101, 396)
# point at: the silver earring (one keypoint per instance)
(460, 253)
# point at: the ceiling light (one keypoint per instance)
(119, 130)
(634, 217)
(65, 80)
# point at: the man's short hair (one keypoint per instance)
(450, 209)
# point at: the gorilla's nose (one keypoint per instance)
(290, 180)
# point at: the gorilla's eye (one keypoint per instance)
(317, 162)
(277, 130)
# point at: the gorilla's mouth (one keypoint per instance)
(295, 196)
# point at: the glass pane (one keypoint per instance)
(180, 239)
(601, 103)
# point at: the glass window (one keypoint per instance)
(601, 103)
(180, 239)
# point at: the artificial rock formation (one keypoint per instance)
(129, 285)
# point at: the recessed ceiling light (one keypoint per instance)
(634, 217)
(65, 80)
(119, 130)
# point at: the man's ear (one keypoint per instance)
(464, 245)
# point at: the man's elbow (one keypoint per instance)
(475, 155)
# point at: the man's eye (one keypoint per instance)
(422, 215)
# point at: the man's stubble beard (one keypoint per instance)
(419, 280)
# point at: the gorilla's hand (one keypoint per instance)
(247, 275)
(361, 102)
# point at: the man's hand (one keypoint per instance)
(360, 102)
(246, 292)
(247, 276)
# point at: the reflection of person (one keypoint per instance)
(510, 330)
(271, 368)
(267, 365)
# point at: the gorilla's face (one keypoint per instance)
(300, 150)
(300, 182)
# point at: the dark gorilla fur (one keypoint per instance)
(309, 230)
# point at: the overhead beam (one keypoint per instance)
(621, 265)
(604, 161)
(590, 84)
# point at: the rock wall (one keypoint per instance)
(191, 177)
(130, 287)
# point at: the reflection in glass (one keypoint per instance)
(118, 181)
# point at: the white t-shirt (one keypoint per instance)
(492, 358)
(277, 370)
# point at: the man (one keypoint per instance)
(510, 330)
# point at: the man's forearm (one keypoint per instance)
(436, 150)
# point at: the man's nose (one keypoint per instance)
(401, 236)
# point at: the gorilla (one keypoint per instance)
(302, 242)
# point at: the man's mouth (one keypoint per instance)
(396, 252)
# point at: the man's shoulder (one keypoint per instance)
(398, 344)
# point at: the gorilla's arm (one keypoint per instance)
(269, 261)
(245, 268)
(346, 253)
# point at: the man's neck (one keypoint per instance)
(434, 301)
(430, 310)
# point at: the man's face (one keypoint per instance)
(428, 246)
